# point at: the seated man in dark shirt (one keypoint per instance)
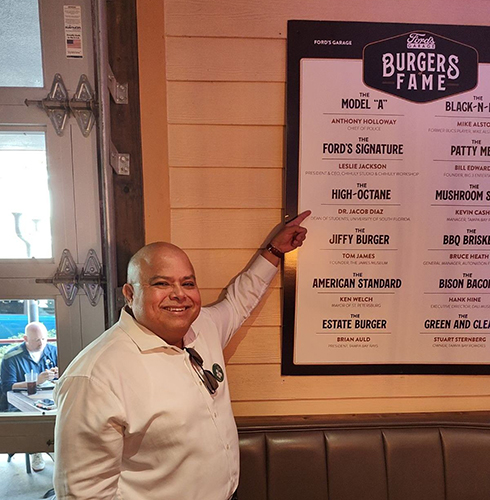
(33, 354)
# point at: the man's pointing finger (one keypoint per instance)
(296, 221)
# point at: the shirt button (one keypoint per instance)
(215, 415)
(227, 446)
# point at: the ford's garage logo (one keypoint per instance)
(420, 66)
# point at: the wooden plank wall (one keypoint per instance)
(225, 89)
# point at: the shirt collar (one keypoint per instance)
(144, 338)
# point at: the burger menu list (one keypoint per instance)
(394, 163)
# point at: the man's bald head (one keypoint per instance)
(144, 257)
(35, 336)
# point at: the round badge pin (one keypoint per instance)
(218, 372)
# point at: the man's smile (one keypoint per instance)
(175, 309)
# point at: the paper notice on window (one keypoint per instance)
(73, 31)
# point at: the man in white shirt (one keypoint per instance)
(144, 411)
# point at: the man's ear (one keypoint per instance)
(128, 293)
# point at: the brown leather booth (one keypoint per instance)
(436, 456)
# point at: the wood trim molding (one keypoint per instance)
(154, 127)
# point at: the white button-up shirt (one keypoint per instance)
(134, 419)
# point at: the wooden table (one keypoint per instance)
(26, 403)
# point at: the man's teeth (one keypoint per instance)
(175, 309)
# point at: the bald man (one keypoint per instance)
(33, 354)
(144, 412)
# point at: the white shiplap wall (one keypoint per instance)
(224, 98)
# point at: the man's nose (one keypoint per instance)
(177, 292)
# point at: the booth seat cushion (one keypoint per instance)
(382, 457)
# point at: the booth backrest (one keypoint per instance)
(380, 457)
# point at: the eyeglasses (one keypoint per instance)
(207, 378)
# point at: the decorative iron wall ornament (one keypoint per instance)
(69, 281)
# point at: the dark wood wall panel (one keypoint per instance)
(126, 132)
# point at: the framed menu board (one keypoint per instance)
(388, 144)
